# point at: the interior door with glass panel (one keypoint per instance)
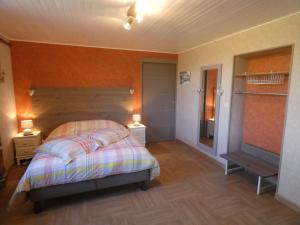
(210, 93)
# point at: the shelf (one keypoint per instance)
(260, 93)
(286, 73)
(268, 78)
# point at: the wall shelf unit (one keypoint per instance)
(258, 103)
(259, 93)
(264, 78)
(245, 74)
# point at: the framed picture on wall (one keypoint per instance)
(184, 77)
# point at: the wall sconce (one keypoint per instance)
(219, 92)
(131, 91)
(31, 92)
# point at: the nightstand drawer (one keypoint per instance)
(23, 151)
(137, 131)
(26, 142)
(140, 138)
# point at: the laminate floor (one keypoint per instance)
(191, 190)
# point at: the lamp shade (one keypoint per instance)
(26, 124)
(136, 118)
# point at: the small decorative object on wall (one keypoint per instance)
(185, 76)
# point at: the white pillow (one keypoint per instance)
(64, 130)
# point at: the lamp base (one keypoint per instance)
(27, 132)
(136, 124)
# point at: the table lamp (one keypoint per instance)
(27, 126)
(136, 118)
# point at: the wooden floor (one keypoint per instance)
(191, 190)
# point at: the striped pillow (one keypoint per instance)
(68, 148)
(79, 127)
(106, 136)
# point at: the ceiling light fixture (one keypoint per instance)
(135, 13)
(128, 23)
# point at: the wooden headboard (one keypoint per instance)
(54, 106)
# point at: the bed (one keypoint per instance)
(121, 162)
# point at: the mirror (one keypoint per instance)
(209, 102)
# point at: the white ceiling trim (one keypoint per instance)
(91, 46)
(239, 32)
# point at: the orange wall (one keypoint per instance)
(47, 65)
(212, 76)
(265, 115)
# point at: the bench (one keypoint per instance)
(241, 160)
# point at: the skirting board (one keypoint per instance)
(210, 157)
(288, 203)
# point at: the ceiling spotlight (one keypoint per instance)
(127, 25)
(135, 13)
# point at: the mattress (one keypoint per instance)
(125, 156)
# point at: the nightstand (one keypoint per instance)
(25, 145)
(210, 128)
(138, 132)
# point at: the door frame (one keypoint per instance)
(210, 150)
(153, 60)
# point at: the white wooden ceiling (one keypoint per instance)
(176, 25)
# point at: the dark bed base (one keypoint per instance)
(38, 196)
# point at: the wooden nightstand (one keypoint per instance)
(138, 132)
(25, 145)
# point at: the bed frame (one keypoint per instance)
(38, 196)
(54, 106)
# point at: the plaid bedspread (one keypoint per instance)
(125, 156)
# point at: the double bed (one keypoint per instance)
(114, 158)
(121, 162)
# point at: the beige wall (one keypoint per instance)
(8, 126)
(285, 31)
